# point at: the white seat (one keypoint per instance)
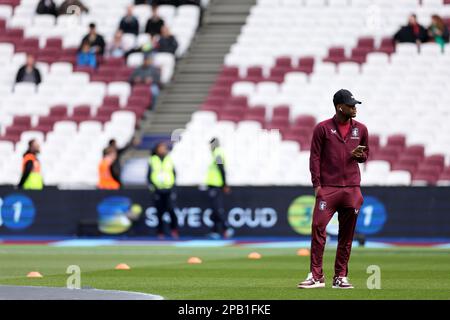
(121, 89)
(6, 11)
(190, 11)
(44, 20)
(91, 128)
(25, 89)
(204, 117)
(65, 127)
(378, 166)
(377, 58)
(409, 49)
(166, 61)
(315, 3)
(124, 118)
(337, 3)
(166, 12)
(65, 68)
(142, 39)
(6, 147)
(399, 178)
(135, 59)
(242, 88)
(129, 41)
(349, 68)
(430, 49)
(27, 136)
(435, 4)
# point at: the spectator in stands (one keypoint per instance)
(86, 56)
(192, 2)
(95, 40)
(438, 31)
(155, 23)
(148, 74)
(167, 42)
(116, 48)
(47, 7)
(412, 32)
(150, 2)
(31, 169)
(72, 7)
(29, 72)
(161, 179)
(107, 177)
(129, 23)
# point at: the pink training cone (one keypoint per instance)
(194, 260)
(34, 274)
(303, 252)
(122, 266)
(255, 256)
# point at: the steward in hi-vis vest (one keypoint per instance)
(161, 180)
(31, 168)
(217, 186)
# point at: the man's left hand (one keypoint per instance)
(357, 152)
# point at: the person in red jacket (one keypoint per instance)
(337, 146)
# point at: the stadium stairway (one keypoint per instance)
(195, 73)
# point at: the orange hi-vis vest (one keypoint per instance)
(34, 180)
(106, 180)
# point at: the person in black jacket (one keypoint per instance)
(137, 2)
(29, 72)
(129, 23)
(167, 42)
(95, 40)
(412, 32)
(47, 7)
(155, 23)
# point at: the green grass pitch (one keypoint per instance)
(226, 273)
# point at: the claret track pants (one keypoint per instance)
(346, 201)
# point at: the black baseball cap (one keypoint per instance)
(344, 96)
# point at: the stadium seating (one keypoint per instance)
(288, 61)
(72, 104)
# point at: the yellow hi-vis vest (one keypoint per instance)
(214, 177)
(34, 180)
(162, 175)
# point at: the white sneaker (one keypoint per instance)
(341, 283)
(311, 283)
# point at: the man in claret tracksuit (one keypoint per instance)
(338, 145)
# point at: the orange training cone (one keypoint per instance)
(303, 252)
(194, 260)
(34, 274)
(122, 266)
(254, 256)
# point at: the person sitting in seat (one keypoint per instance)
(149, 75)
(29, 72)
(413, 32)
(129, 23)
(438, 31)
(96, 41)
(86, 56)
(47, 7)
(167, 42)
